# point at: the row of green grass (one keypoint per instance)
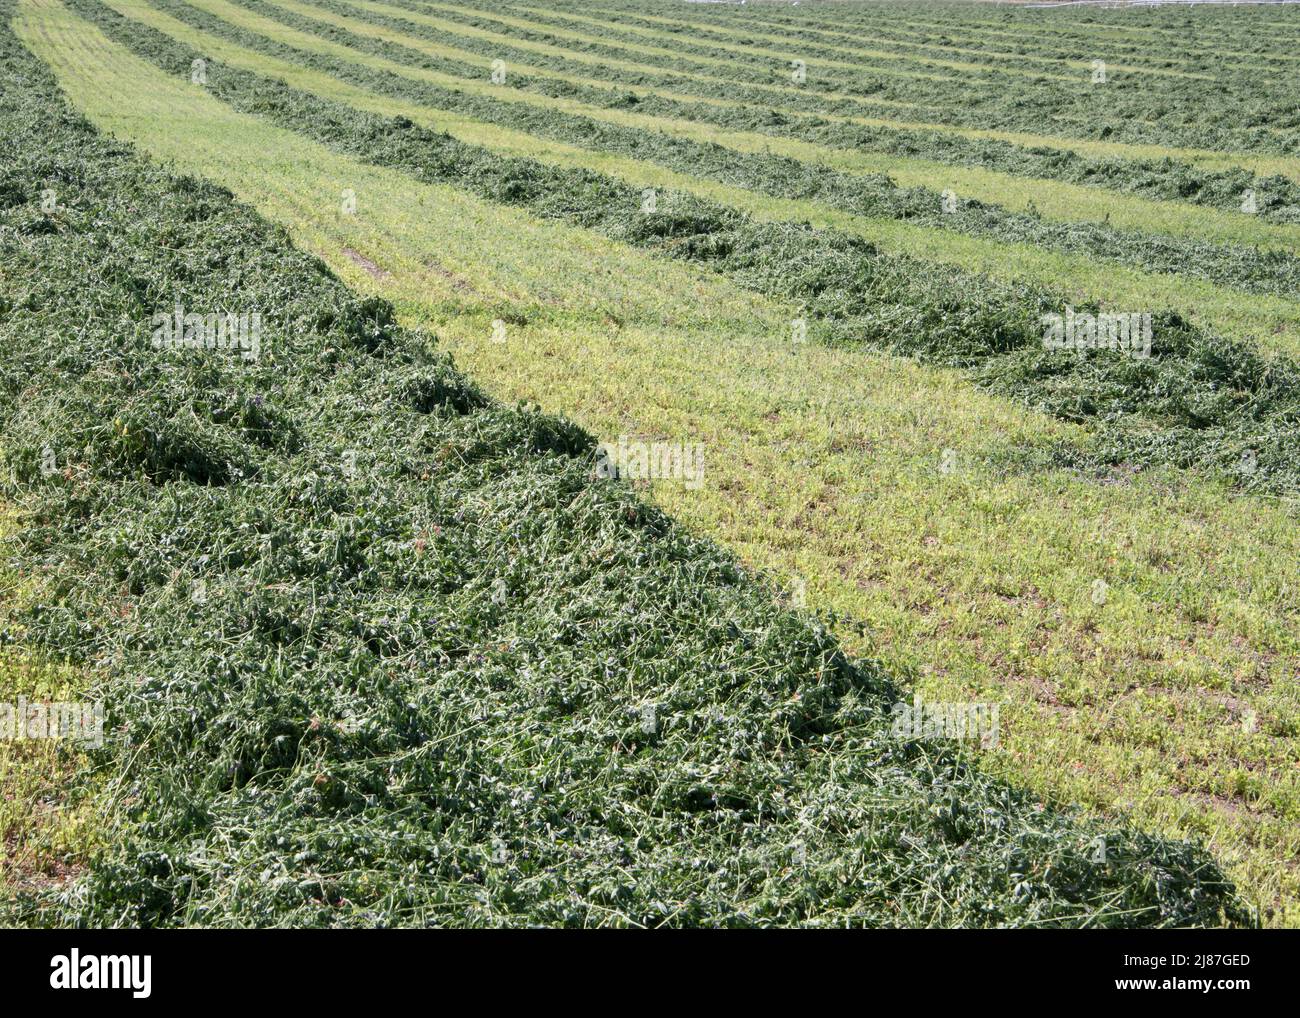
(1243, 268)
(1173, 173)
(1051, 52)
(1057, 42)
(832, 105)
(1196, 35)
(846, 52)
(1277, 198)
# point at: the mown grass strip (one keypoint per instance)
(853, 108)
(615, 42)
(1087, 109)
(553, 62)
(1259, 317)
(719, 61)
(1202, 54)
(1021, 261)
(1121, 109)
(1221, 24)
(585, 134)
(630, 27)
(1277, 198)
(1038, 28)
(702, 27)
(845, 40)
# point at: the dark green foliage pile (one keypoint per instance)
(463, 683)
(1199, 401)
